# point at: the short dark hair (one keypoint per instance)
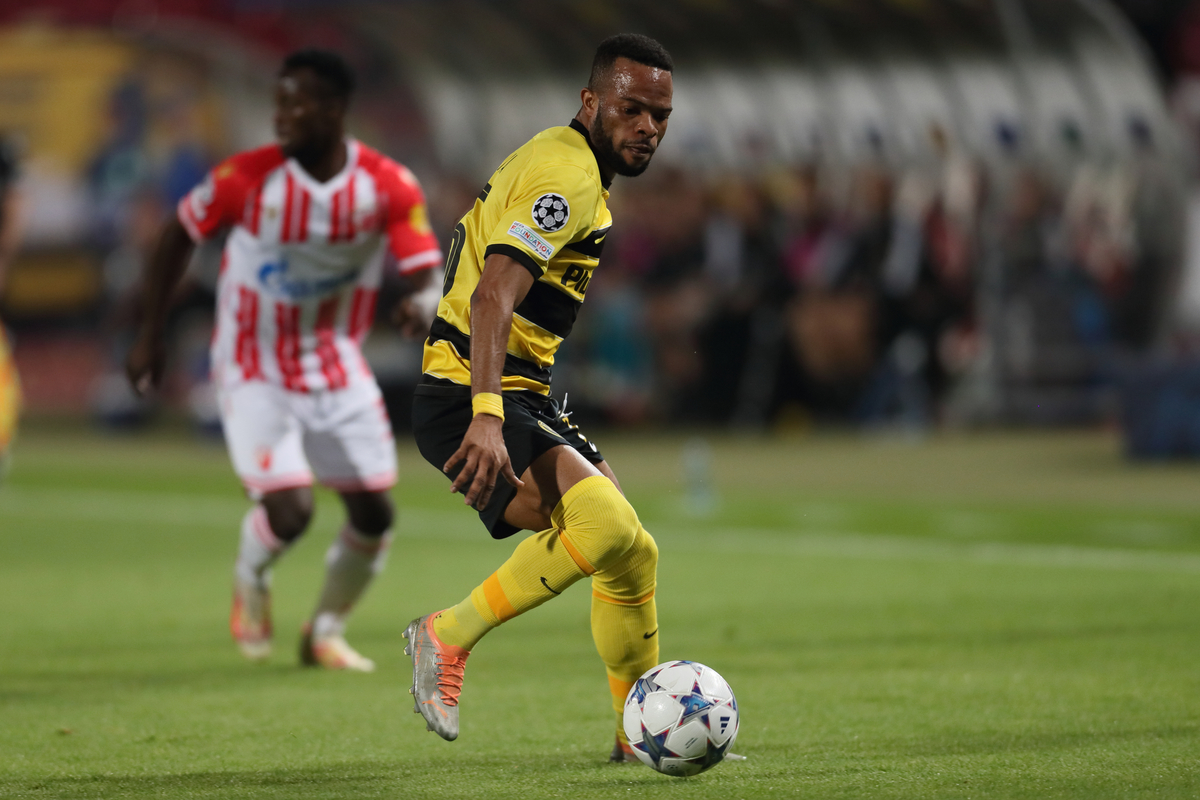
(635, 47)
(331, 68)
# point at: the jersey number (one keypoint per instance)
(456, 247)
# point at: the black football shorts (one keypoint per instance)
(532, 425)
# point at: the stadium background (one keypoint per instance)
(905, 285)
(888, 214)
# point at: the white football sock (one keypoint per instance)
(258, 550)
(351, 562)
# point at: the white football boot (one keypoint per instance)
(331, 651)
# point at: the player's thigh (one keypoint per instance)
(348, 439)
(263, 438)
(548, 478)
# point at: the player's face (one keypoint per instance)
(631, 116)
(307, 120)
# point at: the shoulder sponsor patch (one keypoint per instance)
(551, 212)
(528, 235)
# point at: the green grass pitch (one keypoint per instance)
(970, 617)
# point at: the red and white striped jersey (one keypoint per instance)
(304, 260)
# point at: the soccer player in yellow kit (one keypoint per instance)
(516, 274)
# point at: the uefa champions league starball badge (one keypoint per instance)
(551, 212)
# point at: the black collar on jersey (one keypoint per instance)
(578, 126)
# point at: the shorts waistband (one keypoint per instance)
(442, 390)
(430, 386)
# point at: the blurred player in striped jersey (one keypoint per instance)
(314, 221)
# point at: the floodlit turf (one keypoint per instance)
(994, 617)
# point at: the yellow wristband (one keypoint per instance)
(487, 403)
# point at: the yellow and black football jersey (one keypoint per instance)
(545, 207)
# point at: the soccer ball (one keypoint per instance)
(681, 718)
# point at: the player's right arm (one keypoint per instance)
(144, 366)
(12, 213)
(553, 207)
(502, 286)
(215, 204)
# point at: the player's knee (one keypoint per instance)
(599, 521)
(289, 512)
(370, 513)
(623, 527)
(647, 550)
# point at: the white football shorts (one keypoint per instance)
(279, 439)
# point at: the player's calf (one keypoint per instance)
(351, 563)
(594, 528)
(625, 620)
(267, 531)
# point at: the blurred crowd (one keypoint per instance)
(953, 289)
(877, 291)
(878, 294)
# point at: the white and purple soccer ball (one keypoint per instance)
(681, 718)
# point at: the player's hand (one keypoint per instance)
(144, 366)
(485, 457)
(413, 316)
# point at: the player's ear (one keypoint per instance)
(590, 100)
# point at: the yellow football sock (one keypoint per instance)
(461, 625)
(594, 527)
(625, 619)
(538, 569)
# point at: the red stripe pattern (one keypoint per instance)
(362, 313)
(296, 205)
(246, 350)
(289, 202)
(331, 362)
(254, 210)
(341, 214)
(287, 346)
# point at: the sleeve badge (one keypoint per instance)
(551, 212)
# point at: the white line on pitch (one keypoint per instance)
(460, 524)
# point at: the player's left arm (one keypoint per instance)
(415, 249)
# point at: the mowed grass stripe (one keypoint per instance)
(154, 508)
